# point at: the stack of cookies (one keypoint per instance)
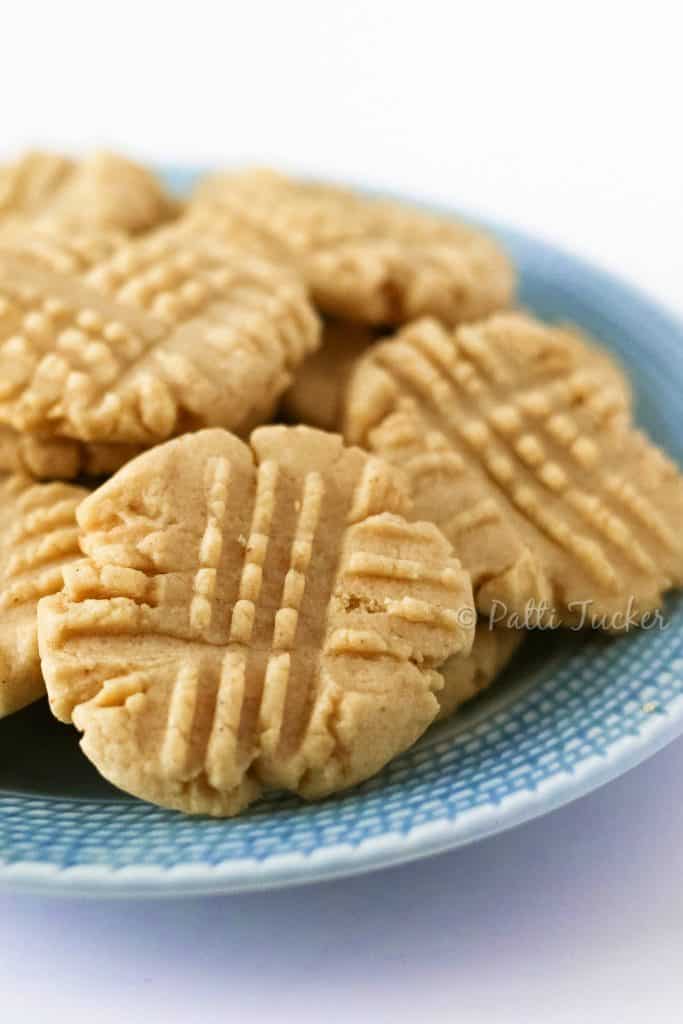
(283, 473)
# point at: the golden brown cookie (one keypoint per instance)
(166, 334)
(249, 617)
(519, 444)
(102, 191)
(38, 536)
(376, 262)
(466, 675)
(60, 458)
(315, 397)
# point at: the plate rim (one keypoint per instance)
(344, 860)
(428, 839)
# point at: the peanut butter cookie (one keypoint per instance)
(166, 334)
(376, 262)
(249, 617)
(518, 441)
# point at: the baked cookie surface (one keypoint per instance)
(60, 250)
(251, 616)
(376, 262)
(38, 537)
(103, 191)
(47, 457)
(316, 396)
(518, 441)
(60, 458)
(467, 675)
(167, 333)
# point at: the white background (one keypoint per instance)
(566, 120)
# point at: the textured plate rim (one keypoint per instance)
(345, 860)
(424, 840)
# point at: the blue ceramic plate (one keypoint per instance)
(571, 712)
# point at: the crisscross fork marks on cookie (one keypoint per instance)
(367, 261)
(524, 450)
(68, 344)
(164, 333)
(536, 416)
(499, 462)
(280, 626)
(237, 681)
(284, 713)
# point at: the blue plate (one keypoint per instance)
(571, 712)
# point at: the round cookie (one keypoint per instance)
(103, 191)
(366, 260)
(38, 537)
(249, 617)
(168, 333)
(518, 442)
(466, 675)
(316, 396)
